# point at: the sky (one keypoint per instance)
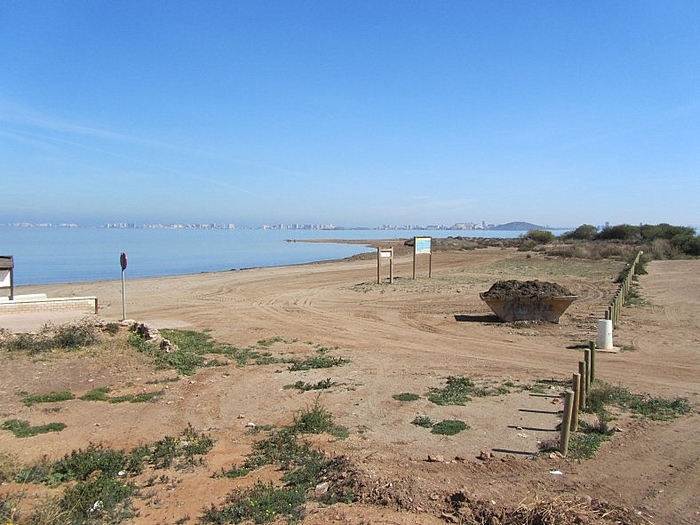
(355, 113)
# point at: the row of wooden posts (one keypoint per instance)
(576, 399)
(615, 308)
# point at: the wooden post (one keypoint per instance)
(591, 347)
(576, 384)
(587, 358)
(566, 423)
(379, 260)
(414, 260)
(582, 373)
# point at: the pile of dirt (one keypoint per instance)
(512, 289)
(556, 511)
(345, 480)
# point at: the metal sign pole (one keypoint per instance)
(123, 263)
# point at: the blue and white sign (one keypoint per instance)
(422, 245)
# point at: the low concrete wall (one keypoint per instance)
(58, 304)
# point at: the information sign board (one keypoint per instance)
(422, 245)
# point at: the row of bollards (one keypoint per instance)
(613, 312)
(576, 399)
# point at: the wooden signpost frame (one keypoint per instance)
(385, 253)
(423, 245)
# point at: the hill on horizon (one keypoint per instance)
(517, 226)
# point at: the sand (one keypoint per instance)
(408, 336)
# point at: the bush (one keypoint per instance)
(688, 245)
(621, 232)
(449, 427)
(585, 232)
(540, 236)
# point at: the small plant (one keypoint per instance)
(646, 405)
(314, 420)
(302, 465)
(65, 337)
(167, 451)
(261, 503)
(423, 421)
(318, 361)
(100, 394)
(9, 509)
(456, 392)
(305, 387)
(449, 427)
(52, 397)
(96, 394)
(97, 498)
(585, 443)
(112, 328)
(406, 396)
(143, 397)
(22, 429)
(80, 464)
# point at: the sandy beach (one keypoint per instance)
(405, 336)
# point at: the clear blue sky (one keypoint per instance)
(356, 113)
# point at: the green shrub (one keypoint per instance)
(52, 397)
(96, 394)
(81, 464)
(100, 497)
(318, 361)
(449, 427)
(261, 503)
(585, 232)
(22, 429)
(646, 405)
(314, 420)
(423, 421)
(456, 392)
(305, 387)
(112, 328)
(620, 232)
(406, 396)
(540, 236)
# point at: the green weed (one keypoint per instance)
(318, 361)
(261, 503)
(423, 421)
(456, 392)
(52, 397)
(584, 444)
(406, 396)
(64, 337)
(22, 429)
(646, 405)
(305, 387)
(96, 394)
(449, 427)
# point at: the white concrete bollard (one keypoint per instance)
(605, 334)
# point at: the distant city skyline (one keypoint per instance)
(358, 113)
(456, 226)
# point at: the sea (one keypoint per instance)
(49, 255)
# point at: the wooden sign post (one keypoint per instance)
(422, 245)
(385, 253)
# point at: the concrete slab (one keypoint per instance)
(25, 322)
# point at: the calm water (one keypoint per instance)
(62, 255)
